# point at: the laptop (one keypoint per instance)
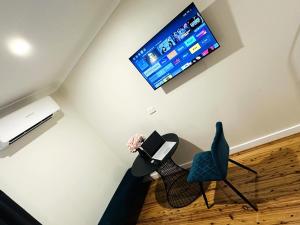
(157, 147)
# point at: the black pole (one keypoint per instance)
(241, 165)
(204, 195)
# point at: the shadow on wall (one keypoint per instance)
(28, 138)
(220, 19)
(293, 60)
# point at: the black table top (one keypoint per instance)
(142, 167)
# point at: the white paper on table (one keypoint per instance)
(164, 150)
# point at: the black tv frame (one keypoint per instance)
(183, 11)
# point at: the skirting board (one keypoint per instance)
(250, 144)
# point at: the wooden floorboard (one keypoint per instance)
(275, 191)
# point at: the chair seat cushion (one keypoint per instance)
(203, 168)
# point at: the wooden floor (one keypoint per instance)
(276, 191)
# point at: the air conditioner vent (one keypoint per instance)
(30, 129)
(22, 121)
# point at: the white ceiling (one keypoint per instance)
(59, 32)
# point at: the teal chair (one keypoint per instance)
(212, 165)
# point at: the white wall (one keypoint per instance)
(248, 83)
(65, 174)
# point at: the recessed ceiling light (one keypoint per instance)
(19, 47)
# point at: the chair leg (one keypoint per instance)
(240, 194)
(243, 166)
(204, 195)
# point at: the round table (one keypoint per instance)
(179, 192)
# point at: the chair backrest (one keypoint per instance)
(220, 150)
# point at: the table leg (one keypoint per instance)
(179, 192)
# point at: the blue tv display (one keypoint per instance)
(180, 44)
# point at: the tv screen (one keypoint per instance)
(181, 43)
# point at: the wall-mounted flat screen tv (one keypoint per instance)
(180, 44)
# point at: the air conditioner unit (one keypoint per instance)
(17, 124)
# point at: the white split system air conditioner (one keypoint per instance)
(17, 124)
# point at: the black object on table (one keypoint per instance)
(179, 192)
(127, 202)
(13, 214)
